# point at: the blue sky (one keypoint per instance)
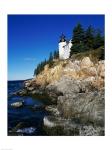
(32, 37)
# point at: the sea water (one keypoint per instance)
(24, 120)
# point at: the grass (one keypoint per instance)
(94, 55)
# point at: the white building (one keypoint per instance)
(64, 48)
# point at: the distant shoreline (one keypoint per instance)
(16, 80)
(19, 80)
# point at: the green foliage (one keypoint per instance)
(78, 34)
(84, 40)
(89, 37)
(95, 55)
(83, 43)
(50, 57)
(78, 48)
(77, 39)
(40, 66)
(50, 61)
(98, 40)
(56, 54)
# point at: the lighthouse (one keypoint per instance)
(64, 47)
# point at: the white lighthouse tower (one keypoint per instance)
(64, 47)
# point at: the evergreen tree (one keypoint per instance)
(78, 34)
(89, 37)
(35, 72)
(78, 39)
(50, 57)
(41, 65)
(56, 54)
(98, 40)
(85, 40)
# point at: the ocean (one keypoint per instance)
(25, 120)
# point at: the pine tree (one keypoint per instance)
(98, 40)
(35, 72)
(78, 40)
(89, 37)
(78, 34)
(56, 54)
(50, 57)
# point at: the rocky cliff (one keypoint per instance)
(76, 87)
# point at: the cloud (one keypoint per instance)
(29, 59)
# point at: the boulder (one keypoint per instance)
(88, 107)
(22, 92)
(59, 126)
(17, 104)
(90, 71)
(101, 69)
(72, 66)
(86, 62)
(38, 107)
(52, 109)
(68, 85)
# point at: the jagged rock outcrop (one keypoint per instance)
(83, 70)
(88, 107)
(61, 126)
(86, 63)
(77, 88)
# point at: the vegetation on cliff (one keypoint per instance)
(86, 40)
(41, 65)
(86, 43)
(95, 54)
